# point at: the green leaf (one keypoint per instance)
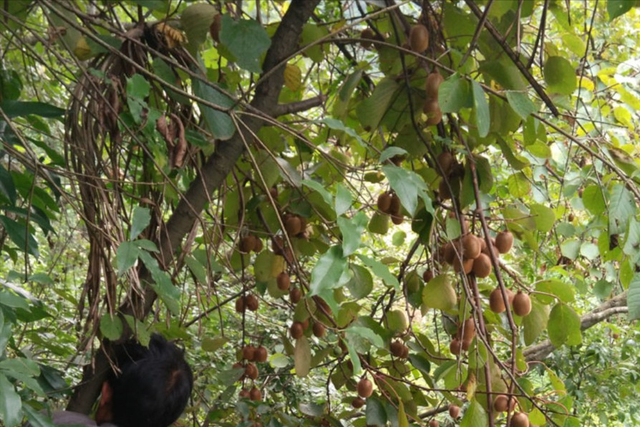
(570, 248)
(475, 416)
(483, 117)
(196, 19)
(616, 8)
(371, 111)
(390, 152)
(218, 122)
(375, 413)
(420, 363)
(516, 162)
(352, 230)
(361, 284)
(408, 186)
(328, 270)
(10, 403)
(126, 256)
(380, 270)
(320, 189)
(37, 418)
(302, 357)
(519, 185)
(564, 326)
(7, 187)
(22, 108)
(20, 235)
(438, 293)
(311, 33)
(163, 286)
(521, 103)
(454, 94)
(140, 221)
(564, 291)
(543, 216)
(593, 199)
(367, 334)
(560, 75)
(633, 297)
(246, 40)
(111, 326)
(210, 344)
(197, 269)
(621, 207)
(402, 416)
(278, 360)
(536, 322)
(344, 199)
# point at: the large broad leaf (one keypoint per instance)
(20, 235)
(10, 403)
(483, 117)
(371, 110)
(565, 292)
(23, 108)
(621, 207)
(375, 413)
(439, 293)
(521, 103)
(126, 256)
(560, 75)
(196, 20)
(617, 8)
(111, 326)
(140, 221)
(380, 270)
(302, 357)
(564, 326)
(163, 286)
(408, 186)
(403, 421)
(633, 297)
(543, 216)
(361, 284)
(218, 122)
(351, 230)
(454, 94)
(593, 199)
(474, 416)
(536, 322)
(328, 270)
(246, 40)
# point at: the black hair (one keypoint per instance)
(153, 386)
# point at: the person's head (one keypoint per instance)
(151, 389)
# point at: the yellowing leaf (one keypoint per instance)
(302, 357)
(82, 50)
(402, 416)
(292, 77)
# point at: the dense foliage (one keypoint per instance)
(348, 213)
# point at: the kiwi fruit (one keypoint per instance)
(471, 247)
(255, 394)
(273, 191)
(502, 403)
(249, 352)
(395, 206)
(277, 245)
(396, 348)
(252, 302)
(445, 160)
(405, 352)
(384, 202)
(283, 281)
(466, 344)
(434, 423)
(432, 109)
(449, 253)
(241, 304)
(454, 411)
(521, 304)
(519, 419)
(427, 275)
(244, 394)
(433, 84)
(287, 254)
(465, 265)
(296, 330)
(366, 35)
(319, 330)
(293, 225)
(357, 403)
(215, 27)
(305, 324)
(295, 295)
(247, 244)
(468, 329)
(496, 301)
(419, 38)
(443, 190)
(482, 266)
(258, 246)
(485, 248)
(365, 388)
(455, 347)
(504, 241)
(261, 354)
(397, 219)
(251, 371)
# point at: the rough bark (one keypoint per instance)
(615, 305)
(283, 44)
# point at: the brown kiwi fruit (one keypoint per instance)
(249, 352)
(419, 38)
(396, 348)
(296, 330)
(432, 109)
(244, 394)
(293, 225)
(397, 219)
(357, 403)
(468, 329)
(273, 191)
(454, 411)
(449, 253)
(504, 242)
(434, 423)
(319, 330)
(395, 206)
(366, 35)
(471, 247)
(521, 304)
(519, 419)
(258, 246)
(384, 202)
(283, 281)
(261, 354)
(443, 190)
(252, 302)
(464, 265)
(255, 394)
(251, 371)
(455, 347)
(241, 304)
(295, 295)
(277, 245)
(485, 248)
(215, 27)
(305, 324)
(427, 275)
(247, 243)
(365, 388)
(445, 160)
(482, 266)
(496, 302)
(501, 403)
(405, 352)
(433, 84)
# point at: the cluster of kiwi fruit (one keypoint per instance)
(468, 254)
(247, 302)
(389, 203)
(365, 390)
(504, 403)
(431, 105)
(452, 174)
(520, 302)
(399, 349)
(298, 329)
(464, 336)
(251, 355)
(295, 225)
(250, 243)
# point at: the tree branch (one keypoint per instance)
(615, 305)
(296, 107)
